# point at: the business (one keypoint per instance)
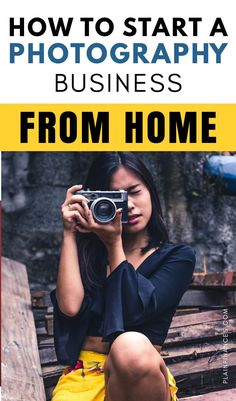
(128, 83)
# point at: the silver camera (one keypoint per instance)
(104, 204)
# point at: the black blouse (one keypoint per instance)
(142, 300)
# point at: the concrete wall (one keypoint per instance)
(34, 186)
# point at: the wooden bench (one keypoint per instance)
(193, 349)
(21, 370)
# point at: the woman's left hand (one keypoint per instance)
(109, 233)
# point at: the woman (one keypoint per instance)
(117, 291)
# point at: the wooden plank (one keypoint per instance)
(204, 374)
(199, 332)
(47, 356)
(45, 342)
(207, 298)
(21, 370)
(50, 372)
(41, 331)
(186, 311)
(203, 317)
(49, 323)
(219, 280)
(195, 351)
(224, 395)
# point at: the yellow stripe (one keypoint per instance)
(159, 116)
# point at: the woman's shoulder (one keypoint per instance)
(180, 250)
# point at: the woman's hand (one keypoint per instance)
(77, 217)
(71, 207)
(109, 233)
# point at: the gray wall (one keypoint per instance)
(34, 186)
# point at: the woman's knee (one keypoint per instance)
(132, 356)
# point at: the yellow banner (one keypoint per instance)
(104, 127)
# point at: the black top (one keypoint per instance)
(142, 300)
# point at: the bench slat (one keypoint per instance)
(224, 395)
(21, 370)
(204, 374)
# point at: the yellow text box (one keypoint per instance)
(134, 127)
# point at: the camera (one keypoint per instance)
(104, 204)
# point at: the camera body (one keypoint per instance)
(104, 204)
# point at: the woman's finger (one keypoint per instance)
(76, 206)
(82, 230)
(88, 213)
(71, 190)
(80, 219)
(74, 199)
(118, 216)
(70, 214)
(78, 198)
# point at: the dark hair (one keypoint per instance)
(92, 252)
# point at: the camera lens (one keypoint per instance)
(103, 210)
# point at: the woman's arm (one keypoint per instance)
(77, 217)
(109, 234)
(115, 254)
(133, 298)
(70, 290)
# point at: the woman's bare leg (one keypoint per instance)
(134, 370)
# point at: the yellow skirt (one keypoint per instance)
(87, 380)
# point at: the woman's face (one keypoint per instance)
(139, 199)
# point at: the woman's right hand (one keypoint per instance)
(72, 208)
(77, 217)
